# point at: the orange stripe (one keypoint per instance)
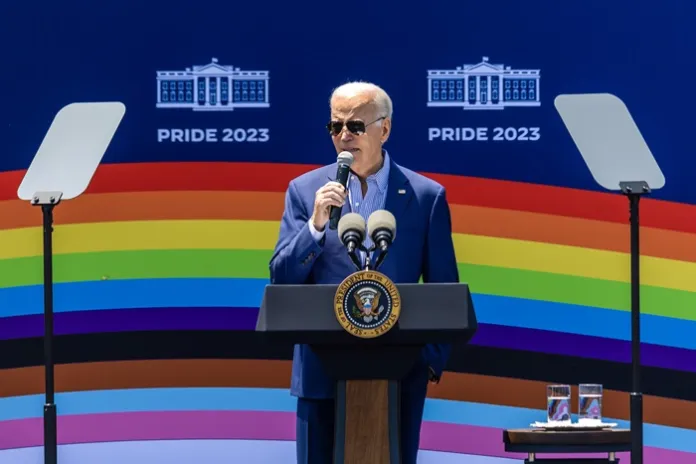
(148, 206)
(268, 206)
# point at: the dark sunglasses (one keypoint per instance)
(355, 127)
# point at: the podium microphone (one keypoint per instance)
(345, 160)
(351, 231)
(381, 226)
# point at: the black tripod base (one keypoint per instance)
(50, 434)
(636, 428)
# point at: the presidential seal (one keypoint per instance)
(367, 304)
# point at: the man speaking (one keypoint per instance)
(310, 251)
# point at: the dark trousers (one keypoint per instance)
(315, 423)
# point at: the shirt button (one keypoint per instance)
(357, 203)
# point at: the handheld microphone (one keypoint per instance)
(345, 160)
(351, 232)
(382, 228)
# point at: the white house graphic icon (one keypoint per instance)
(483, 86)
(212, 87)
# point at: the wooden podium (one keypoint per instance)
(367, 371)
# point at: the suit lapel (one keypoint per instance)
(399, 193)
(346, 207)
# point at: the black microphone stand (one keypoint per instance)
(359, 266)
(352, 252)
(634, 190)
(355, 243)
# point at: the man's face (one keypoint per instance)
(365, 147)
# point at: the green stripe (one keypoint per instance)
(561, 288)
(254, 264)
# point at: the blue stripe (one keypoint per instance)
(233, 292)
(145, 293)
(266, 399)
(151, 399)
(583, 320)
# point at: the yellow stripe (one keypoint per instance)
(227, 234)
(142, 235)
(576, 261)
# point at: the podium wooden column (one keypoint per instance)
(368, 372)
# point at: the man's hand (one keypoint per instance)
(331, 194)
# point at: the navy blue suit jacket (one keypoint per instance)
(422, 247)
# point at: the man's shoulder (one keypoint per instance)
(420, 182)
(310, 181)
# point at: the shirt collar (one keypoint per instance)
(381, 177)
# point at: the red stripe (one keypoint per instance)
(9, 183)
(563, 201)
(175, 176)
(144, 177)
(274, 177)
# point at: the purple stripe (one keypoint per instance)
(123, 320)
(582, 346)
(164, 425)
(257, 425)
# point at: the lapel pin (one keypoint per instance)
(402, 191)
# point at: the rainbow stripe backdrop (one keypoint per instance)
(174, 246)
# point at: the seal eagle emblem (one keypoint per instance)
(367, 304)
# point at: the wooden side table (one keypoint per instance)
(534, 442)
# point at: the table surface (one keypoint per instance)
(618, 437)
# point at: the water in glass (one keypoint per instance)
(558, 404)
(589, 403)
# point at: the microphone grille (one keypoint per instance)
(351, 221)
(381, 219)
(345, 157)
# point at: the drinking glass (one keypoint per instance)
(589, 403)
(558, 404)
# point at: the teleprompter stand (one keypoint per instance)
(47, 201)
(368, 372)
(61, 170)
(634, 190)
(619, 160)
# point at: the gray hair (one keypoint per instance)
(380, 98)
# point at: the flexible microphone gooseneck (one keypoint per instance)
(345, 160)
